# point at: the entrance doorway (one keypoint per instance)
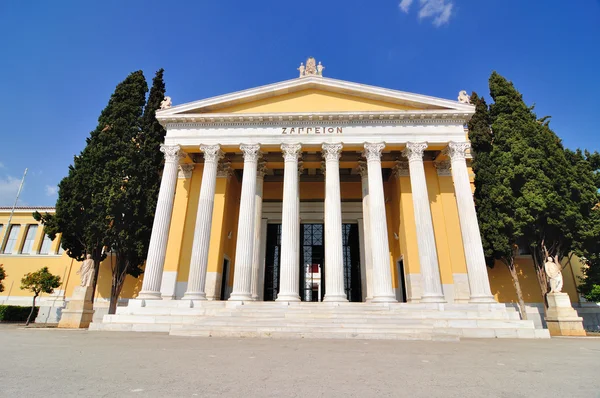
(312, 262)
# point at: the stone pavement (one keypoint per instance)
(79, 363)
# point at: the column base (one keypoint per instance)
(148, 295)
(482, 300)
(288, 297)
(240, 297)
(384, 299)
(194, 296)
(432, 299)
(337, 298)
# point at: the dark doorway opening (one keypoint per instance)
(350, 245)
(312, 258)
(224, 280)
(312, 262)
(272, 262)
(401, 281)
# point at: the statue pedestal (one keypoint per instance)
(561, 318)
(80, 310)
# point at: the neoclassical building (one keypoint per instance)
(357, 199)
(317, 176)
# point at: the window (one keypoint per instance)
(46, 243)
(11, 243)
(28, 244)
(60, 248)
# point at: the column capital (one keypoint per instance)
(251, 152)
(261, 170)
(224, 170)
(373, 150)
(363, 170)
(291, 151)
(212, 153)
(185, 170)
(457, 150)
(401, 169)
(443, 168)
(332, 151)
(173, 153)
(414, 151)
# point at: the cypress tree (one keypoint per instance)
(549, 193)
(92, 211)
(494, 199)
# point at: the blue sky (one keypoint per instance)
(62, 59)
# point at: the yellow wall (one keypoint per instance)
(502, 286)
(17, 265)
(312, 101)
(185, 254)
(232, 210)
(181, 210)
(312, 191)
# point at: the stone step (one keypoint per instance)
(246, 312)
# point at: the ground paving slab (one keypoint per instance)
(79, 363)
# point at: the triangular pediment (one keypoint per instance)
(315, 95)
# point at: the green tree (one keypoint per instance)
(493, 197)
(549, 191)
(587, 167)
(2, 276)
(93, 210)
(41, 281)
(134, 201)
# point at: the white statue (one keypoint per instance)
(87, 271)
(463, 97)
(166, 103)
(320, 69)
(554, 274)
(301, 69)
(311, 67)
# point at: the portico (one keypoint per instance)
(316, 189)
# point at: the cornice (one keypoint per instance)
(322, 118)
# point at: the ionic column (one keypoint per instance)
(380, 250)
(430, 270)
(244, 249)
(258, 233)
(334, 252)
(364, 179)
(201, 242)
(290, 226)
(157, 250)
(478, 277)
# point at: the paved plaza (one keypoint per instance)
(74, 363)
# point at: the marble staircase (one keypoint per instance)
(321, 320)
